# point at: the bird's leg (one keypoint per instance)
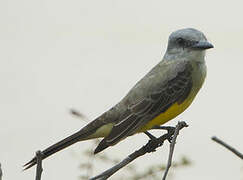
(170, 130)
(153, 142)
(151, 136)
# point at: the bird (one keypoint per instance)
(162, 94)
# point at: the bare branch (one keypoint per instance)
(233, 150)
(1, 172)
(39, 168)
(178, 127)
(151, 146)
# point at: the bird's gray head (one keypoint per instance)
(187, 43)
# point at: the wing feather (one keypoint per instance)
(156, 101)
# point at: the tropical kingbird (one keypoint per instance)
(162, 94)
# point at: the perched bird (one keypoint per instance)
(162, 94)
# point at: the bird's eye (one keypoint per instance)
(181, 41)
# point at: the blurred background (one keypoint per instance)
(57, 54)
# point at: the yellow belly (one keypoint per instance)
(169, 114)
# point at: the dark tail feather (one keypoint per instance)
(58, 147)
(101, 146)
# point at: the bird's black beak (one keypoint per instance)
(202, 45)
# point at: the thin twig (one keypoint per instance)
(179, 126)
(151, 146)
(1, 172)
(233, 150)
(39, 168)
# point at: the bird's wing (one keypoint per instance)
(158, 95)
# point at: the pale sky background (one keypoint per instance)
(58, 54)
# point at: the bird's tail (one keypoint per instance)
(78, 136)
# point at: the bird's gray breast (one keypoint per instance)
(198, 75)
